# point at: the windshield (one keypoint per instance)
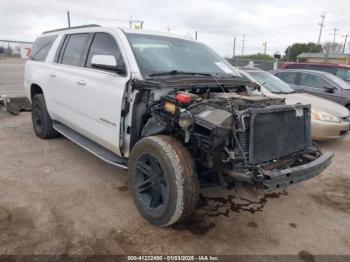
(343, 74)
(271, 82)
(160, 54)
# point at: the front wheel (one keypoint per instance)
(42, 122)
(163, 181)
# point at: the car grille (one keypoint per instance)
(278, 131)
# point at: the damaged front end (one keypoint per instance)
(233, 135)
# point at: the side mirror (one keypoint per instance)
(329, 89)
(107, 62)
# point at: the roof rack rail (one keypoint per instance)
(73, 27)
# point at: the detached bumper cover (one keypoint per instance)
(286, 177)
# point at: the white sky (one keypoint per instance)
(278, 22)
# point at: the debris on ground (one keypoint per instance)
(14, 105)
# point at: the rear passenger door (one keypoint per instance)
(62, 78)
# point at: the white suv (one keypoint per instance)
(169, 109)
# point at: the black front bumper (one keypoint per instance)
(286, 177)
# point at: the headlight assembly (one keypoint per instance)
(323, 116)
(185, 120)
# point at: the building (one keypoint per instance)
(324, 58)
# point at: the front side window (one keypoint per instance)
(288, 77)
(75, 49)
(41, 47)
(159, 54)
(313, 81)
(104, 44)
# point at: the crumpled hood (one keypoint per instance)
(317, 103)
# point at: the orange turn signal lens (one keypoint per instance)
(170, 107)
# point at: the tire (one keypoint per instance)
(163, 180)
(348, 107)
(42, 122)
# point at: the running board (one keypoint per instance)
(91, 146)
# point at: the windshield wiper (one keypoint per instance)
(178, 72)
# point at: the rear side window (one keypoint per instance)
(75, 49)
(41, 47)
(288, 77)
(104, 44)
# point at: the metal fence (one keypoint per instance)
(261, 64)
(12, 48)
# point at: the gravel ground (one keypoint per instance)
(56, 198)
(11, 77)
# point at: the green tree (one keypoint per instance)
(296, 49)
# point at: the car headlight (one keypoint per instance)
(323, 116)
(185, 120)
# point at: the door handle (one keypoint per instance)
(52, 74)
(81, 82)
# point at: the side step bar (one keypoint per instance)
(94, 148)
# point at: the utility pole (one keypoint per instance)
(243, 41)
(346, 39)
(264, 45)
(130, 22)
(321, 27)
(195, 35)
(234, 50)
(335, 30)
(68, 17)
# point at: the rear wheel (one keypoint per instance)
(163, 182)
(41, 119)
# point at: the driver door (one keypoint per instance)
(318, 86)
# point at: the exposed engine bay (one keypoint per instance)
(233, 132)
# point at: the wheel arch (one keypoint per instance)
(34, 90)
(347, 105)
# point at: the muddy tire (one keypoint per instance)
(42, 122)
(163, 180)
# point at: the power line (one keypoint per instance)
(321, 27)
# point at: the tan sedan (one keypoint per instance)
(328, 119)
